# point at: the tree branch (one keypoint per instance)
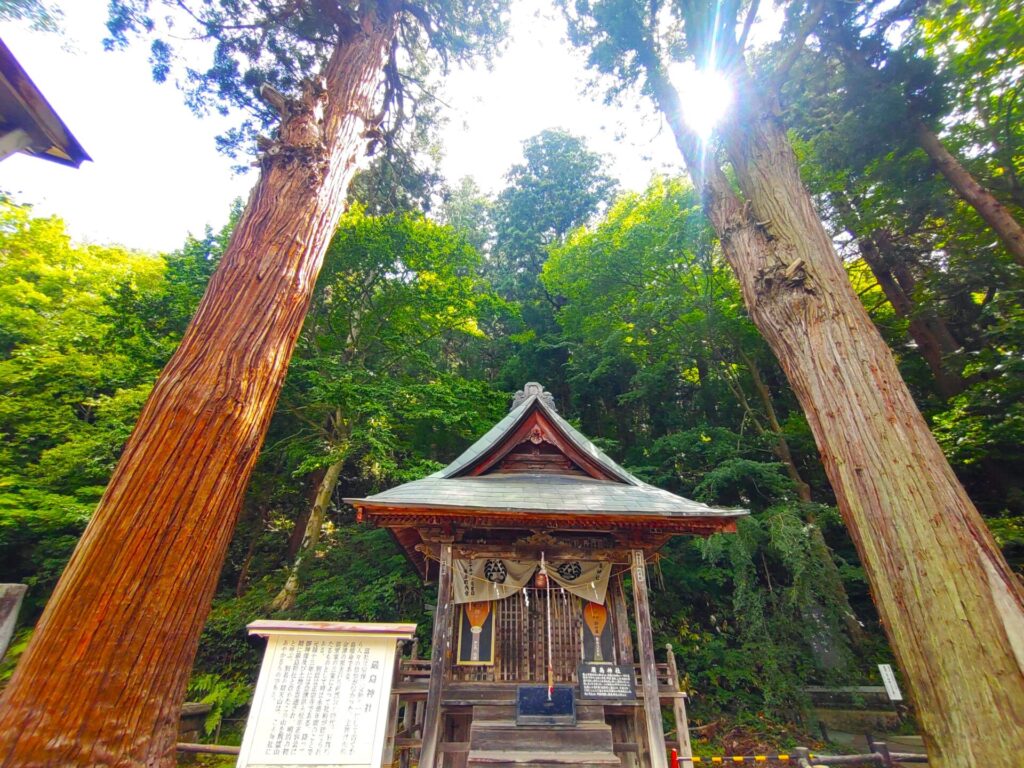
(793, 53)
(747, 24)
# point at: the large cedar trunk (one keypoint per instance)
(103, 679)
(953, 610)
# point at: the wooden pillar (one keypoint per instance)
(440, 658)
(623, 637)
(679, 708)
(388, 756)
(11, 596)
(648, 669)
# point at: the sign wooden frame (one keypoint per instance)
(322, 696)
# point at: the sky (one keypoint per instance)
(157, 176)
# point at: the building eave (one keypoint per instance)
(28, 121)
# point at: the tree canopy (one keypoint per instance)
(437, 300)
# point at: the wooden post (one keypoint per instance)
(11, 596)
(440, 658)
(623, 639)
(679, 708)
(648, 669)
(882, 749)
(408, 713)
(388, 755)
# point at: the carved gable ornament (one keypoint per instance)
(529, 390)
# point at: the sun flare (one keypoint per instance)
(705, 94)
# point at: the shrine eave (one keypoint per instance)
(438, 516)
(27, 121)
(539, 494)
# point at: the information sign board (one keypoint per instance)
(889, 681)
(606, 681)
(322, 694)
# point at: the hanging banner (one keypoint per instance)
(494, 579)
(598, 644)
(476, 634)
(585, 579)
(481, 579)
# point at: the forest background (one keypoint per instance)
(436, 302)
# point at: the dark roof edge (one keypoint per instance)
(511, 422)
(715, 513)
(47, 121)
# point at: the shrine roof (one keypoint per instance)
(596, 485)
(27, 118)
(497, 434)
(523, 492)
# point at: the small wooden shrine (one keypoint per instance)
(529, 534)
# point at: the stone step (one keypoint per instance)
(541, 759)
(584, 712)
(499, 725)
(505, 736)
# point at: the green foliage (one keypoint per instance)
(281, 44)
(876, 73)
(558, 187)
(225, 697)
(38, 531)
(17, 647)
(376, 370)
(84, 331)
(661, 344)
(623, 308)
(360, 575)
(744, 481)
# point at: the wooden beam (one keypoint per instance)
(450, 517)
(440, 659)
(388, 754)
(648, 667)
(529, 552)
(679, 709)
(620, 617)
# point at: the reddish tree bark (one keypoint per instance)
(952, 608)
(103, 679)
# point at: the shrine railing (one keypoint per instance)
(414, 674)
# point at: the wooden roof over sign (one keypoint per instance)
(27, 121)
(533, 469)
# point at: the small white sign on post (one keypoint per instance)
(322, 694)
(889, 681)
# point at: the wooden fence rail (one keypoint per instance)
(208, 749)
(802, 757)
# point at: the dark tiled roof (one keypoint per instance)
(494, 435)
(548, 493)
(543, 493)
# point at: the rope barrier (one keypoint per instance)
(427, 555)
(879, 756)
(721, 759)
